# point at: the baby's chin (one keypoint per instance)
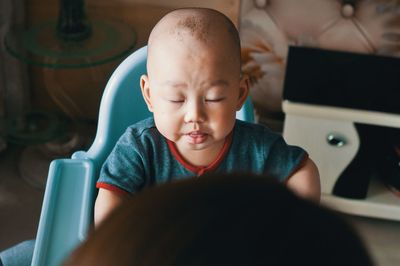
(208, 143)
(194, 143)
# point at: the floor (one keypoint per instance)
(20, 203)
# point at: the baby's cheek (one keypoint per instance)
(169, 126)
(223, 126)
(226, 117)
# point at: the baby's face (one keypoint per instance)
(194, 90)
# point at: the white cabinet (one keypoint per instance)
(329, 136)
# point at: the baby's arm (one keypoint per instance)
(106, 202)
(305, 182)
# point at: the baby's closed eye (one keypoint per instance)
(176, 100)
(216, 99)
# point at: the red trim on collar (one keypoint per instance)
(200, 170)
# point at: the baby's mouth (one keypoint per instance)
(197, 137)
(196, 133)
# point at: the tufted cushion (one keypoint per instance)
(268, 27)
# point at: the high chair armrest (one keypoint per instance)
(67, 211)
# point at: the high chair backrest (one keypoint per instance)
(121, 105)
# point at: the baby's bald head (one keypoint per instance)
(206, 26)
(193, 80)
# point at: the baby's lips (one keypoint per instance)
(196, 134)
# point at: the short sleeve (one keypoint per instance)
(282, 160)
(124, 167)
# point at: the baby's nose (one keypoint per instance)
(195, 112)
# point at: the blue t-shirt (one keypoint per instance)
(143, 157)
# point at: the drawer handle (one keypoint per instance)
(335, 140)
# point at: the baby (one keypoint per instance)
(193, 88)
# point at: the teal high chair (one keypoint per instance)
(67, 211)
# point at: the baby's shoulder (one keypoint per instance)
(144, 130)
(254, 136)
(142, 127)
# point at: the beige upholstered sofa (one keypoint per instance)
(268, 27)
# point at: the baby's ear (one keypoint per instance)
(145, 87)
(243, 91)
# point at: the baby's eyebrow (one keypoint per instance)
(208, 84)
(218, 82)
(176, 84)
(221, 83)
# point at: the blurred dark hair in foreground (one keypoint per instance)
(232, 219)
